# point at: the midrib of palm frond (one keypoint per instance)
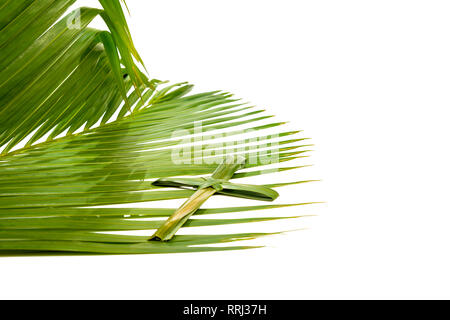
(58, 80)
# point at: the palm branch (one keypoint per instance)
(82, 128)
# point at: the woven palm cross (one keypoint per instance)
(218, 183)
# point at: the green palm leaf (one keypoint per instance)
(82, 127)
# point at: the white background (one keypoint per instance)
(369, 82)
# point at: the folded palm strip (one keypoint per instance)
(83, 128)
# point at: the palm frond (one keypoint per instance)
(59, 75)
(94, 131)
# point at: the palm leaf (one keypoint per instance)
(82, 127)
